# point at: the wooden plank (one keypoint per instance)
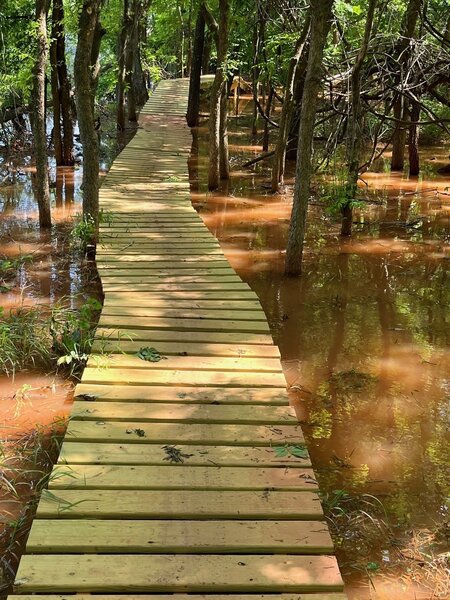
(97, 453)
(196, 297)
(117, 273)
(187, 573)
(182, 313)
(179, 537)
(149, 301)
(189, 395)
(186, 363)
(193, 378)
(186, 504)
(225, 288)
(304, 596)
(181, 413)
(135, 432)
(172, 335)
(130, 261)
(106, 346)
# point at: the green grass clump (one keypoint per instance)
(47, 338)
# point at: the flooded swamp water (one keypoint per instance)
(363, 335)
(38, 271)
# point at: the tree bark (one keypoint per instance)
(216, 96)
(86, 75)
(129, 62)
(38, 116)
(121, 49)
(400, 104)
(64, 85)
(56, 98)
(355, 125)
(224, 161)
(287, 111)
(413, 141)
(138, 77)
(196, 70)
(320, 25)
(267, 110)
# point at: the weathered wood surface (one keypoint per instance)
(188, 472)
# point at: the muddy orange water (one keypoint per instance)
(363, 335)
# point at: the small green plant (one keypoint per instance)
(72, 333)
(37, 337)
(10, 266)
(82, 233)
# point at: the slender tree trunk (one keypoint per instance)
(86, 75)
(216, 95)
(56, 97)
(399, 136)
(64, 86)
(267, 112)
(138, 78)
(287, 111)
(224, 161)
(38, 115)
(206, 53)
(355, 126)
(400, 106)
(121, 50)
(196, 70)
(299, 84)
(129, 63)
(320, 25)
(413, 141)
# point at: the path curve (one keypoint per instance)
(178, 470)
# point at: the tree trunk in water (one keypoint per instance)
(399, 137)
(287, 112)
(86, 74)
(64, 88)
(38, 116)
(268, 110)
(121, 49)
(400, 107)
(413, 142)
(215, 125)
(56, 98)
(355, 126)
(299, 84)
(224, 162)
(320, 25)
(196, 70)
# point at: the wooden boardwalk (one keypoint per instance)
(177, 476)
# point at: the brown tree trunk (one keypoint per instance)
(138, 78)
(86, 75)
(121, 50)
(224, 161)
(129, 63)
(216, 96)
(320, 25)
(400, 107)
(196, 70)
(206, 53)
(56, 97)
(413, 141)
(64, 86)
(38, 120)
(287, 111)
(355, 126)
(267, 112)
